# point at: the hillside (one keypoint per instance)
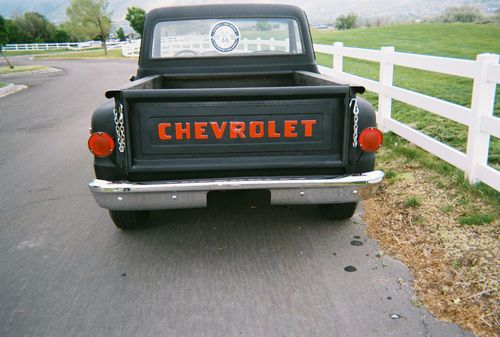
(451, 40)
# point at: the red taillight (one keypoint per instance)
(101, 144)
(370, 139)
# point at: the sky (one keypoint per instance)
(318, 11)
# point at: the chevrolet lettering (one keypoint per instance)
(235, 129)
(229, 97)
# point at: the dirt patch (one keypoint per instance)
(416, 217)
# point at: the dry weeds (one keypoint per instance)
(455, 267)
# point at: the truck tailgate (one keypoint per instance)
(230, 129)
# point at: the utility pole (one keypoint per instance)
(5, 57)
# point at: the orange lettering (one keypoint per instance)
(180, 131)
(218, 130)
(236, 129)
(308, 127)
(253, 129)
(162, 131)
(199, 130)
(271, 130)
(290, 129)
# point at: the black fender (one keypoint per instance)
(103, 121)
(360, 161)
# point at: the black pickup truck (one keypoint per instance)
(229, 97)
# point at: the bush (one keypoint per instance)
(348, 21)
(465, 14)
(496, 17)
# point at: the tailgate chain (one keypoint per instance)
(120, 129)
(355, 111)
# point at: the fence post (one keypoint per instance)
(273, 43)
(338, 59)
(386, 75)
(482, 104)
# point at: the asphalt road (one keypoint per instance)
(238, 268)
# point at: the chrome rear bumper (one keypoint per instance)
(192, 194)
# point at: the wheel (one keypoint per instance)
(129, 219)
(338, 211)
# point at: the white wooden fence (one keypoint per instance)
(482, 124)
(201, 45)
(51, 46)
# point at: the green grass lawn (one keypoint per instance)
(66, 53)
(450, 40)
(20, 69)
(94, 53)
(3, 84)
(33, 52)
(447, 39)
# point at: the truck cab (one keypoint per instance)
(229, 97)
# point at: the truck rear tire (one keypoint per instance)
(338, 211)
(129, 219)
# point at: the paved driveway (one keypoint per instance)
(238, 268)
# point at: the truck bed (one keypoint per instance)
(207, 81)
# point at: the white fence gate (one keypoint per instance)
(131, 49)
(482, 124)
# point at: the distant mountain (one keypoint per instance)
(317, 10)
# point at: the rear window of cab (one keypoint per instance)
(226, 37)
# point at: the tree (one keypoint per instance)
(348, 21)
(89, 19)
(263, 26)
(33, 27)
(120, 34)
(135, 16)
(12, 33)
(60, 35)
(3, 31)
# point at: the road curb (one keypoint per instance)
(11, 88)
(33, 72)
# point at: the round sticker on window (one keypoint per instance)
(225, 36)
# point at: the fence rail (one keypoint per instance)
(479, 118)
(201, 45)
